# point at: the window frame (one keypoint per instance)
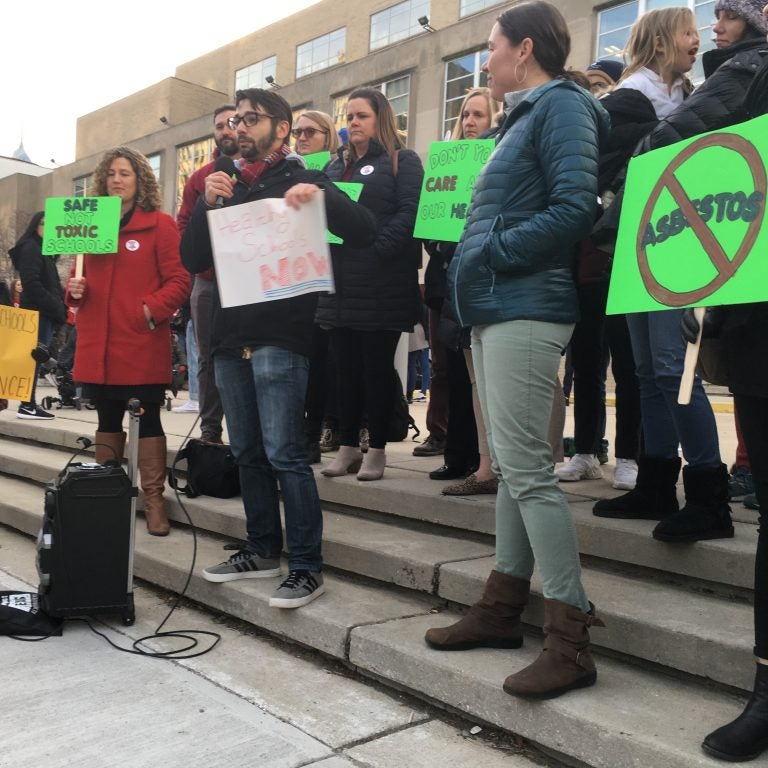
(340, 57)
(414, 28)
(477, 76)
(253, 80)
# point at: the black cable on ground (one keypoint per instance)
(185, 634)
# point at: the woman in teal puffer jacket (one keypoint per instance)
(512, 280)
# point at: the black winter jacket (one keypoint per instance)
(377, 285)
(40, 280)
(286, 323)
(632, 118)
(719, 101)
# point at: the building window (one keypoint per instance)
(397, 92)
(467, 7)
(614, 24)
(461, 75)
(83, 186)
(154, 162)
(254, 76)
(321, 53)
(189, 158)
(397, 22)
(340, 112)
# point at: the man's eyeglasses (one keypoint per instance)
(249, 118)
(308, 132)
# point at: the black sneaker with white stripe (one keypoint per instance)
(243, 565)
(32, 411)
(300, 588)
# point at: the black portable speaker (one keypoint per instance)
(84, 555)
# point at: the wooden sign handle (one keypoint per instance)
(79, 259)
(691, 358)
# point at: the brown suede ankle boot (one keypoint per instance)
(493, 622)
(109, 446)
(152, 468)
(565, 663)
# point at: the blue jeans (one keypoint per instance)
(191, 344)
(659, 352)
(263, 401)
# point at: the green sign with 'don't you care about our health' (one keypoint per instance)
(449, 177)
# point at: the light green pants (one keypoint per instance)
(516, 365)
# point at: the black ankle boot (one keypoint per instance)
(654, 496)
(706, 514)
(747, 736)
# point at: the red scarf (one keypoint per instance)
(251, 173)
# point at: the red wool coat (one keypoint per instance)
(115, 344)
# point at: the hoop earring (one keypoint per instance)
(519, 80)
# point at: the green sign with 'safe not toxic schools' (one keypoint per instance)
(81, 225)
(692, 224)
(449, 177)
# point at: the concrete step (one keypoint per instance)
(700, 634)
(406, 494)
(632, 718)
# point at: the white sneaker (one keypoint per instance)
(625, 475)
(191, 406)
(582, 466)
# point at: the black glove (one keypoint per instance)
(714, 317)
(40, 354)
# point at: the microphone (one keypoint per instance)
(298, 159)
(227, 164)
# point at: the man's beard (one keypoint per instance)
(260, 148)
(228, 147)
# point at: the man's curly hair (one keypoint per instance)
(147, 188)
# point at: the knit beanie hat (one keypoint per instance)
(749, 10)
(610, 67)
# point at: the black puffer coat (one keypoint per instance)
(632, 117)
(40, 280)
(719, 101)
(377, 286)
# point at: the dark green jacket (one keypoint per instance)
(534, 200)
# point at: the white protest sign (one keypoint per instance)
(265, 250)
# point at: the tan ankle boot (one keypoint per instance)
(152, 468)
(374, 462)
(109, 446)
(565, 663)
(347, 461)
(493, 622)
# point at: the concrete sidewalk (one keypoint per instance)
(253, 701)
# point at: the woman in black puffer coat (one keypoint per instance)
(743, 330)
(42, 292)
(377, 296)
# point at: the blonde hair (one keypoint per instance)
(493, 108)
(654, 27)
(147, 188)
(332, 142)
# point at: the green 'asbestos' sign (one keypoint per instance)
(691, 229)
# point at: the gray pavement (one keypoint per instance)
(75, 700)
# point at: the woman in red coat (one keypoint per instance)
(124, 303)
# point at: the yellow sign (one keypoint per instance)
(18, 337)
